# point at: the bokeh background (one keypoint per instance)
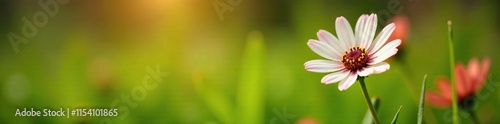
(246, 67)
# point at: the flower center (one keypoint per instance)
(355, 58)
(467, 102)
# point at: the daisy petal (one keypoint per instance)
(387, 51)
(344, 32)
(322, 66)
(462, 80)
(381, 38)
(437, 99)
(365, 72)
(334, 77)
(380, 67)
(323, 49)
(483, 74)
(332, 41)
(365, 29)
(485, 66)
(348, 82)
(361, 29)
(473, 67)
(371, 28)
(374, 69)
(445, 88)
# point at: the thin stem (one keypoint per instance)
(452, 75)
(368, 101)
(474, 117)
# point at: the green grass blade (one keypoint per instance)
(422, 102)
(249, 97)
(452, 75)
(368, 119)
(216, 101)
(396, 116)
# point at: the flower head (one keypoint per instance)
(353, 54)
(469, 80)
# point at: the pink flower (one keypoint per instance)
(354, 53)
(307, 120)
(469, 80)
(402, 31)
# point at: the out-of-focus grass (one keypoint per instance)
(250, 93)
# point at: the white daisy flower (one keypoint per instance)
(353, 54)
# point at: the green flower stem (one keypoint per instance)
(452, 76)
(368, 101)
(474, 117)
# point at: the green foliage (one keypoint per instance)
(422, 102)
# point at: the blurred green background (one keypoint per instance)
(244, 68)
